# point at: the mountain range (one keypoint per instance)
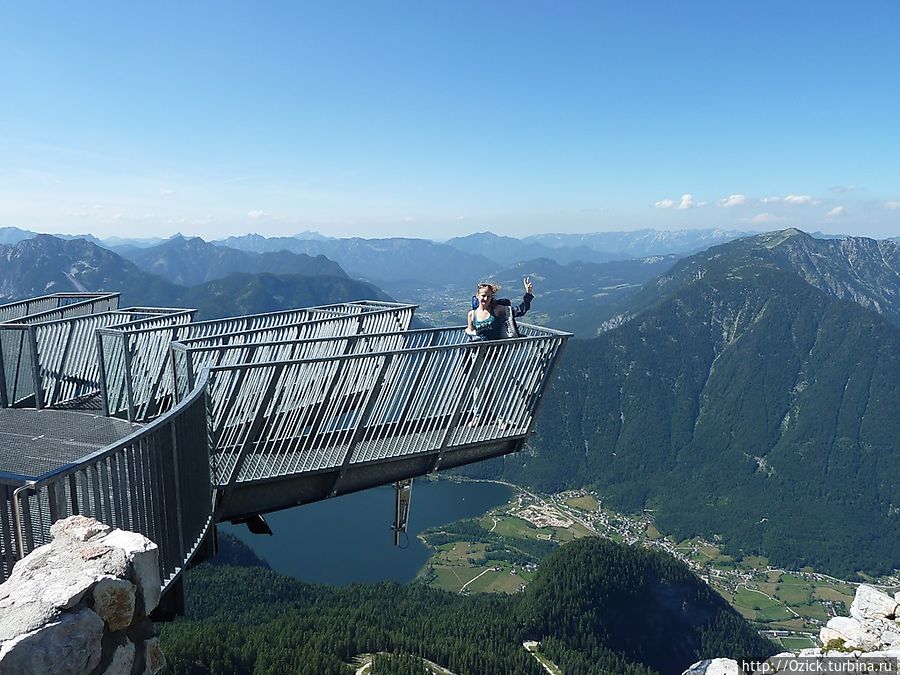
(640, 243)
(47, 264)
(192, 261)
(748, 391)
(509, 250)
(751, 393)
(379, 260)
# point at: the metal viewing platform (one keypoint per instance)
(152, 422)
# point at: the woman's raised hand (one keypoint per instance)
(528, 285)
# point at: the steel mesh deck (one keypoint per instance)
(35, 442)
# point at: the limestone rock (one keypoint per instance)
(883, 654)
(870, 603)
(71, 606)
(78, 528)
(70, 645)
(143, 555)
(57, 575)
(714, 667)
(890, 635)
(844, 628)
(18, 618)
(122, 660)
(114, 602)
(153, 654)
(780, 663)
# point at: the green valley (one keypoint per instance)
(496, 554)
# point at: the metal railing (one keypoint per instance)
(54, 362)
(17, 311)
(9, 552)
(322, 337)
(286, 417)
(137, 361)
(155, 481)
(250, 399)
(19, 376)
(132, 360)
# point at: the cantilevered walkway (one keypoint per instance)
(152, 422)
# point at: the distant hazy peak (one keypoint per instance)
(311, 235)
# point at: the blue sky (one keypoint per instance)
(444, 118)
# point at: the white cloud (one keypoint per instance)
(836, 212)
(841, 189)
(688, 202)
(791, 199)
(732, 200)
(763, 218)
(800, 199)
(258, 214)
(165, 192)
(893, 206)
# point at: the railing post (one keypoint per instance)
(453, 423)
(176, 472)
(426, 362)
(62, 364)
(539, 386)
(24, 536)
(371, 399)
(129, 392)
(316, 424)
(35, 368)
(101, 362)
(233, 393)
(258, 420)
(4, 400)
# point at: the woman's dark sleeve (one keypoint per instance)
(525, 305)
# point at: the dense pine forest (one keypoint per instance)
(597, 606)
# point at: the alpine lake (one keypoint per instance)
(350, 539)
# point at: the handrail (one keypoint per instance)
(95, 302)
(9, 312)
(137, 366)
(54, 362)
(154, 481)
(281, 417)
(293, 341)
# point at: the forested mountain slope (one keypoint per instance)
(597, 607)
(47, 264)
(742, 402)
(257, 293)
(192, 261)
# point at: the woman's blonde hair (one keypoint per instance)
(495, 288)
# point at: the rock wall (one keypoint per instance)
(871, 633)
(81, 604)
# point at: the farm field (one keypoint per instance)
(798, 602)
